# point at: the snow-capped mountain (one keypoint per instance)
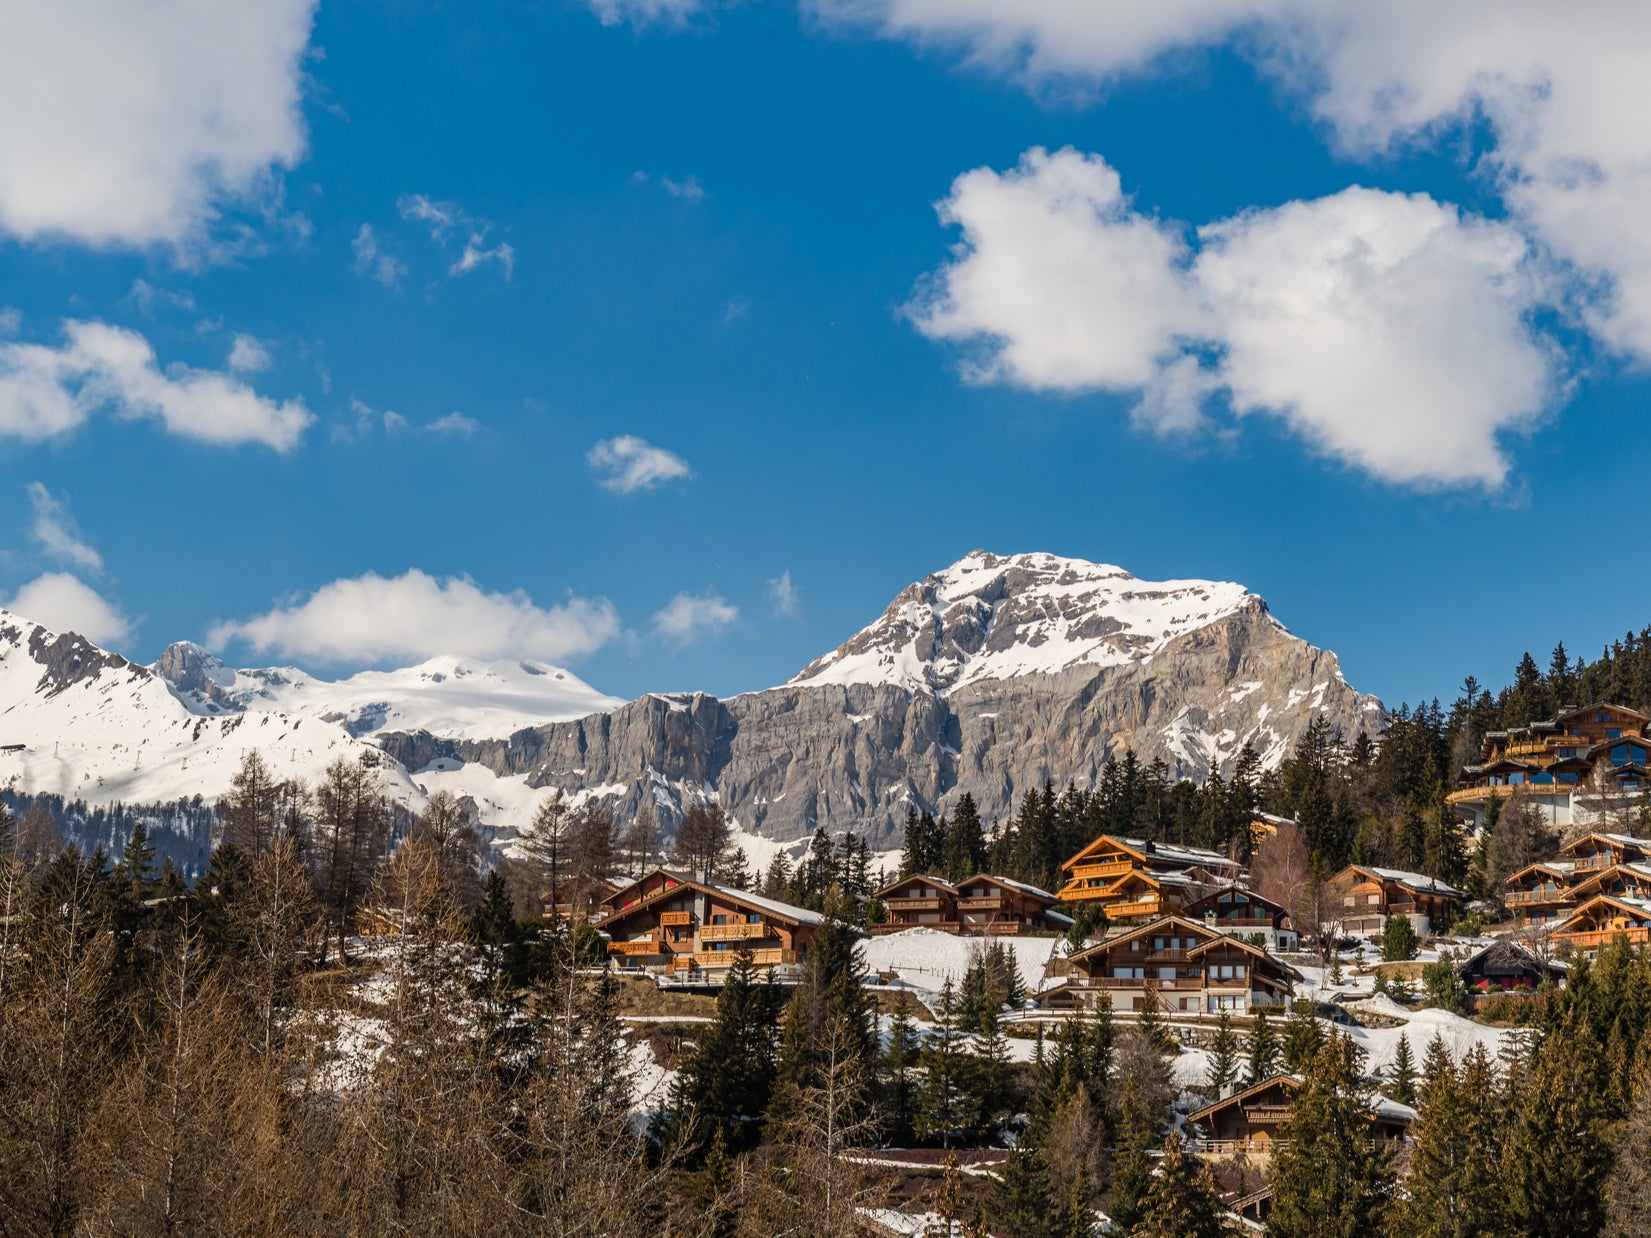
(989, 617)
(989, 677)
(447, 696)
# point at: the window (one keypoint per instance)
(1567, 778)
(719, 919)
(1613, 734)
(753, 918)
(1601, 718)
(1567, 752)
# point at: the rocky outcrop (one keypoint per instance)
(852, 756)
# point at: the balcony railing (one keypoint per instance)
(732, 932)
(912, 904)
(1518, 897)
(1111, 868)
(725, 958)
(676, 919)
(633, 947)
(994, 903)
(1136, 909)
(1636, 935)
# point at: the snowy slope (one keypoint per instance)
(452, 697)
(92, 725)
(998, 617)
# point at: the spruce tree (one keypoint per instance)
(899, 1094)
(1327, 1181)
(1628, 1189)
(1402, 1074)
(1139, 1127)
(1263, 1049)
(1398, 939)
(948, 1101)
(1183, 1201)
(1557, 1152)
(1224, 1060)
(1303, 1038)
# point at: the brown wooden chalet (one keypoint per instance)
(1367, 896)
(1131, 879)
(675, 923)
(1559, 766)
(1249, 1122)
(1507, 967)
(985, 904)
(1602, 918)
(1174, 964)
(1243, 912)
(1540, 893)
(1594, 863)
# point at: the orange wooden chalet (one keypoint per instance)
(675, 923)
(1602, 918)
(1568, 768)
(1132, 879)
(1369, 895)
(1541, 893)
(1248, 1122)
(1174, 964)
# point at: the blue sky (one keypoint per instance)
(845, 291)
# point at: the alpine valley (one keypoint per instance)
(989, 677)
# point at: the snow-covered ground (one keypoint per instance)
(922, 959)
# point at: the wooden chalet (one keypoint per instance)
(1602, 918)
(985, 904)
(1244, 913)
(1540, 893)
(1174, 964)
(1249, 1122)
(1564, 767)
(1369, 895)
(1507, 967)
(1131, 879)
(674, 923)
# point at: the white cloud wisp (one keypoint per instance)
(627, 464)
(55, 532)
(373, 619)
(688, 618)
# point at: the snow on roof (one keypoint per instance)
(1413, 881)
(800, 914)
(1022, 886)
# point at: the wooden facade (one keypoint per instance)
(1507, 967)
(1567, 768)
(1242, 912)
(1603, 918)
(1178, 965)
(985, 904)
(1595, 863)
(675, 923)
(1131, 879)
(1250, 1122)
(1541, 893)
(1366, 896)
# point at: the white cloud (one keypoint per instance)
(148, 298)
(374, 619)
(1387, 329)
(11, 320)
(132, 124)
(687, 618)
(688, 188)
(475, 254)
(66, 604)
(46, 392)
(248, 355)
(631, 464)
(372, 261)
(1560, 89)
(440, 217)
(787, 601)
(445, 218)
(56, 532)
(646, 12)
(454, 423)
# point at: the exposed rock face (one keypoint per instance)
(988, 678)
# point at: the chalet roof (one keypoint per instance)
(1620, 840)
(1508, 953)
(1023, 887)
(1149, 852)
(1250, 896)
(773, 907)
(1419, 883)
(1130, 933)
(1624, 902)
(1559, 868)
(926, 878)
(1566, 714)
(1605, 745)
(1224, 940)
(1382, 1106)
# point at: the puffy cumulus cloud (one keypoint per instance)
(46, 392)
(688, 617)
(1560, 90)
(783, 594)
(54, 530)
(373, 619)
(1387, 329)
(131, 124)
(65, 603)
(627, 464)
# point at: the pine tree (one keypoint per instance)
(948, 1102)
(899, 1073)
(1183, 1201)
(1452, 1188)
(1402, 1074)
(1263, 1049)
(1327, 1181)
(1223, 1054)
(1303, 1038)
(1398, 939)
(965, 841)
(1139, 1127)
(1628, 1189)
(1557, 1152)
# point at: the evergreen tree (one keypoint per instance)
(1224, 1060)
(965, 841)
(948, 1102)
(1399, 939)
(1263, 1049)
(1183, 1201)
(1303, 1038)
(899, 1073)
(1628, 1189)
(1557, 1152)
(1327, 1181)
(1402, 1074)
(1139, 1127)
(1452, 1187)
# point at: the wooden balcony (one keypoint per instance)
(912, 904)
(633, 947)
(900, 926)
(1241, 924)
(1636, 935)
(1135, 910)
(1524, 897)
(1596, 863)
(725, 958)
(981, 904)
(1111, 868)
(675, 919)
(732, 932)
(1166, 955)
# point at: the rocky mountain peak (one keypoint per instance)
(993, 617)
